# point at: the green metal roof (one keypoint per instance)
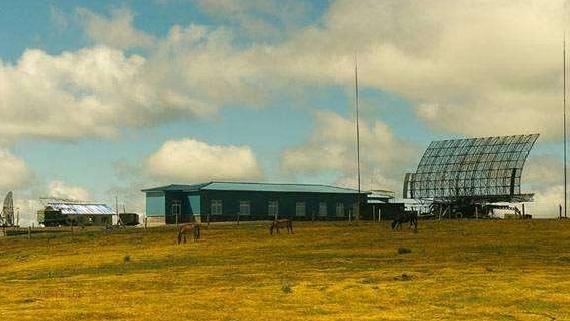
(255, 187)
(176, 188)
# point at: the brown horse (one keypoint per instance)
(193, 228)
(276, 224)
(407, 216)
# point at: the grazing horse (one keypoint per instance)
(193, 228)
(405, 217)
(276, 224)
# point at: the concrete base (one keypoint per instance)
(155, 220)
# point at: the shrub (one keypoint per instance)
(404, 277)
(286, 287)
(404, 250)
(126, 259)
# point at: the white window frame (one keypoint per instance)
(323, 210)
(243, 205)
(300, 209)
(217, 207)
(340, 210)
(273, 208)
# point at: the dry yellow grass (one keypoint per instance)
(457, 270)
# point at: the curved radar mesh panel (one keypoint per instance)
(474, 167)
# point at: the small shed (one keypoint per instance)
(382, 205)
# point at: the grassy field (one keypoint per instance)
(457, 270)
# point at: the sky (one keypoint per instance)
(99, 99)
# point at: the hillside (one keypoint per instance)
(457, 270)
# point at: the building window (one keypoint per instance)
(339, 210)
(273, 209)
(244, 208)
(300, 209)
(216, 207)
(322, 209)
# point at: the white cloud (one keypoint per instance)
(546, 202)
(91, 92)
(543, 175)
(26, 209)
(192, 161)
(65, 96)
(94, 92)
(542, 171)
(332, 147)
(129, 196)
(15, 172)
(470, 67)
(263, 20)
(116, 31)
(59, 189)
(473, 68)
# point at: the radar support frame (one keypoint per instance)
(471, 172)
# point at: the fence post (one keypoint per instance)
(145, 222)
(29, 232)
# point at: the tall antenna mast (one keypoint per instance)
(357, 131)
(564, 125)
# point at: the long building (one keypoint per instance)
(225, 201)
(65, 213)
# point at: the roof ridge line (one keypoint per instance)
(267, 183)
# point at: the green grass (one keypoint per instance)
(455, 270)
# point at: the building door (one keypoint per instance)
(176, 211)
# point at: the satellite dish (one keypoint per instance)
(8, 210)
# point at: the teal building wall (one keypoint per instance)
(198, 203)
(155, 204)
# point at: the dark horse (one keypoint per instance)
(193, 228)
(276, 224)
(405, 217)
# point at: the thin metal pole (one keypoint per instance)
(564, 130)
(357, 134)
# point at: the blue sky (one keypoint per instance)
(264, 85)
